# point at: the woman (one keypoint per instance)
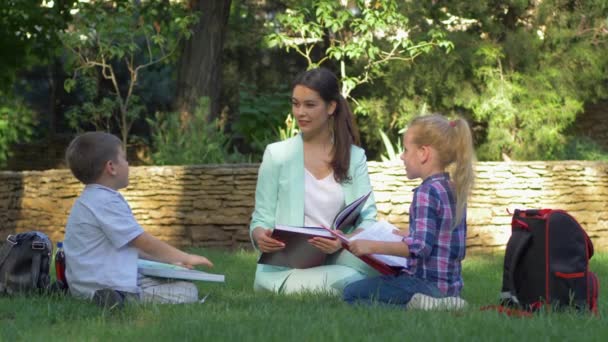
(306, 180)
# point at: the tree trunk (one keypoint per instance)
(200, 63)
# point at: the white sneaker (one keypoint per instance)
(420, 301)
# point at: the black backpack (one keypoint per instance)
(547, 263)
(25, 261)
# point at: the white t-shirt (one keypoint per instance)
(97, 236)
(323, 200)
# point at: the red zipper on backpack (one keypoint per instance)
(569, 275)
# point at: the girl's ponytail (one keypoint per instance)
(463, 174)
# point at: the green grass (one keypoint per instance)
(233, 312)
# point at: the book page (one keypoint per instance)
(349, 214)
(383, 231)
(314, 231)
(379, 231)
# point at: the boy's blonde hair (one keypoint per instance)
(88, 154)
(454, 143)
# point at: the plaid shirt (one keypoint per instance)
(436, 250)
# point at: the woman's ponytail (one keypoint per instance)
(345, 134)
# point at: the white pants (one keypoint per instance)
(166, 291)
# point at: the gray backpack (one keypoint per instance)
(25, 261)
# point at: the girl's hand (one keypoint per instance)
(401, 232)
(361, 247)
(264, 242)
(327, 246)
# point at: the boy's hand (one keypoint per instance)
(264, 242)
(195, 260)
(361, 247)
(327, 246)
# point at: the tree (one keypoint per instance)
(28, 38)
(520, 71)
(366, 34)
(28, 34)
(200, 66)
(360, 40)
(16, 124)
(109, 39)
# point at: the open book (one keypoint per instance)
(298, 253)
(347, 217)
(380, 231)
(162, 270)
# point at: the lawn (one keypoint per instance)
(233, 312)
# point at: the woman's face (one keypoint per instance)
(310, 110)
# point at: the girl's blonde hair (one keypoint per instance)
(454, 144)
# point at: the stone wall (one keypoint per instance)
(211, 205)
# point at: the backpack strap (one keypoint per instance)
(36, 259)
(520, 238)
(6, 248)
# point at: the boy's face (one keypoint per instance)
(121, 170)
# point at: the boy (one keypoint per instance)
(103, 240)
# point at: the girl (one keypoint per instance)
(435, 244)
(306, 180)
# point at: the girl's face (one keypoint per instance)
(310, 110)
(411, 156)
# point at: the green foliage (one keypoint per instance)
(526, 114)
(111, 43)
(16, 123)
(520, 72)
(364, 39)
(361, 39)
(290, 129)
(190, 140)
(260, 115)
(393, 153)
(583, 148)
(28, 34)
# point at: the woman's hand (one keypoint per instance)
(327, 246)
(265, 243)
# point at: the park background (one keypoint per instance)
(206, 84)
(197, 88)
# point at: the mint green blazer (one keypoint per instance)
(279, 198)
(279, 195)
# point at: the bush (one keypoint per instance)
(583, 148)
(16, 124)
(178, 140)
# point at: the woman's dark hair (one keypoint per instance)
(345, 133)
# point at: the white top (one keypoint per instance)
(323, 200)
(97, 236)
